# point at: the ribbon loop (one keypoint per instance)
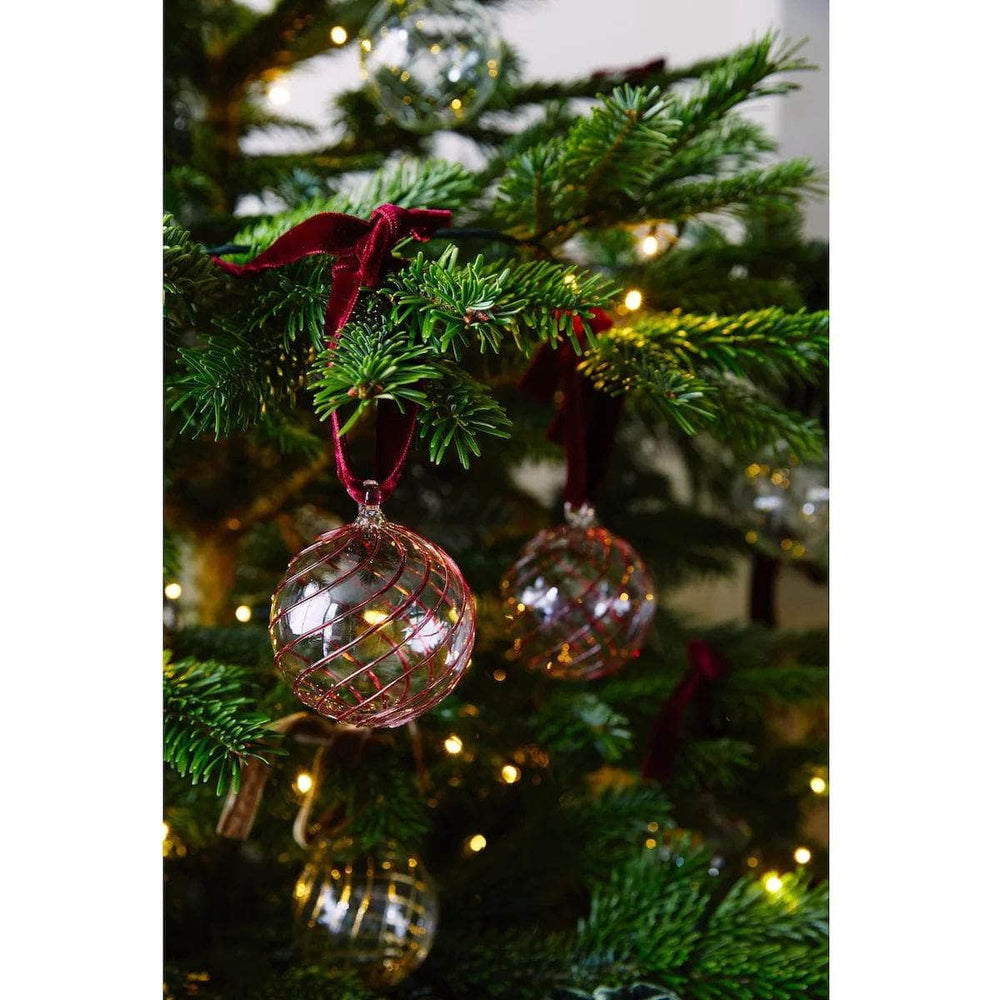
(586, 421)
(705, 666)
(364, 255)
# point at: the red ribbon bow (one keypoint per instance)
(364, 255)
(705, 666)
(586, 421)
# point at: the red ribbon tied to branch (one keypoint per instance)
(364, 255)
(705, 666)
(586, 421)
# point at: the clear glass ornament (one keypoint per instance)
(372, 624)
(430, 63)
(788, 506)
(375, 912)
(579, 601)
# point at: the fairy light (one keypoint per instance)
(304, 782)
(510, 774)
(172, 591)
(278, 94)
(476, 843)
(817, 784)
(456, 104)
(373, 617)
(650, 245)
(650, 843)
(500, 676)
(773, 883)
(166, 830)
(802, 855)
(753, 861)
(633, 299)
(243, 613)
(453, 744)
(338, 34)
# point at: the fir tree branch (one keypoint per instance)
(209, 730)
(457, 412)
(677, 202)
(410, 184)
(765, 340)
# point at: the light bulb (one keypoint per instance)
(338, 34)
(166, 830)
(510, 774)
(453, 744)
(649, 245)
(304, 782)
(243, 613)
(817, 784)
(278, 94)
(172, 591)
(772, 883)
(802, 855)
(633, 299)
(476, 843)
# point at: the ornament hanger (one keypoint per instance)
(586, 421)
(364, 255)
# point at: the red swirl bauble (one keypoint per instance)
(372, 624)
(579, 602)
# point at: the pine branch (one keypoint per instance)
(655, 916)
(748, 421)
(772, 944)
(678, 202)
(684, 370)
(604, 158)
(572, 721)
(751, 343)
(456, 306)
(718, 764)
(226, 385)
(457, 412)
(410, 184)
(189, 275)
(371, 361)
(209, 730)
(744, 75)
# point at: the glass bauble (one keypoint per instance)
(371, 911)
(579, 601)
(788, 506)
(372, 624)
(430, 64)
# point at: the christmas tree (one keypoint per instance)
(613, 799)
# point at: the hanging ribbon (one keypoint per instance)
(364, 255)
(705, 666)
(587, 419)
(632, 74)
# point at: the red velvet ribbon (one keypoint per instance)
(632, 74)
(705, 666)
(364, 255)
(586, 421)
